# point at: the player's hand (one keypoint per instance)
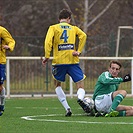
(44, 61)
(6, 47)
(127, 78)
(75, 53)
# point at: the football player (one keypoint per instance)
(61, 38)
(107, 96)
(7, 43)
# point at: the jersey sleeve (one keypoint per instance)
(82, 39)
(48, 42)
(105, 78)
(6, 36)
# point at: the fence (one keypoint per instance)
(26, 77)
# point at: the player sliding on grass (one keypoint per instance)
(107, 97)
(61, 39)
(7, 43)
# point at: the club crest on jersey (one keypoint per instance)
(65, 47)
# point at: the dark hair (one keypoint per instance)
(64, 14)
(115, 62)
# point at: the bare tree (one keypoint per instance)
(66, 4)
(92, 4)
(101, 13)
(85, 15)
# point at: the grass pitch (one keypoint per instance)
(46, 115)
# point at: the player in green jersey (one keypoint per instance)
(106, 95)
(61, 38)
(7, 43)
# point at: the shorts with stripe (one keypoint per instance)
(73, 70)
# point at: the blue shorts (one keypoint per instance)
(59, 72)
(2, 73)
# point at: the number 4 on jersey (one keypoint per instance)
(64, 36)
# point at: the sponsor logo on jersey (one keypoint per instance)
(65, 47)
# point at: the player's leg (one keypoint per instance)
(59, 73)
(124, 107)
(2, 99)
(77, 75)
(117, 97)
(62, 98)
(81, 95)
(2, 89)
(81, 91)
(129, 112)
(125, 110)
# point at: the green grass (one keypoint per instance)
(49, 118)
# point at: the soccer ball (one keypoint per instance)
(89, 102)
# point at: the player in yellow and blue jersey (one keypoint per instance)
(61, 39)
(7, 43)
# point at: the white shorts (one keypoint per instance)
(103, 102)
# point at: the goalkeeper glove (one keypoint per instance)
(127, 78)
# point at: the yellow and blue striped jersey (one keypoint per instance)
(6, 39)
(61, 38)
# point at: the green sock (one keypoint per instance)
(118, 98)
(122, 113)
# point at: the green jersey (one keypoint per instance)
(106, 84)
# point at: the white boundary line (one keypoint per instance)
(33, 118)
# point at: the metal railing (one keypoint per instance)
(27, 77)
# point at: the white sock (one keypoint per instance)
(62, 97)
(2, 96)
(81, 93)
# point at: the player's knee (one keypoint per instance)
(123, 92)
